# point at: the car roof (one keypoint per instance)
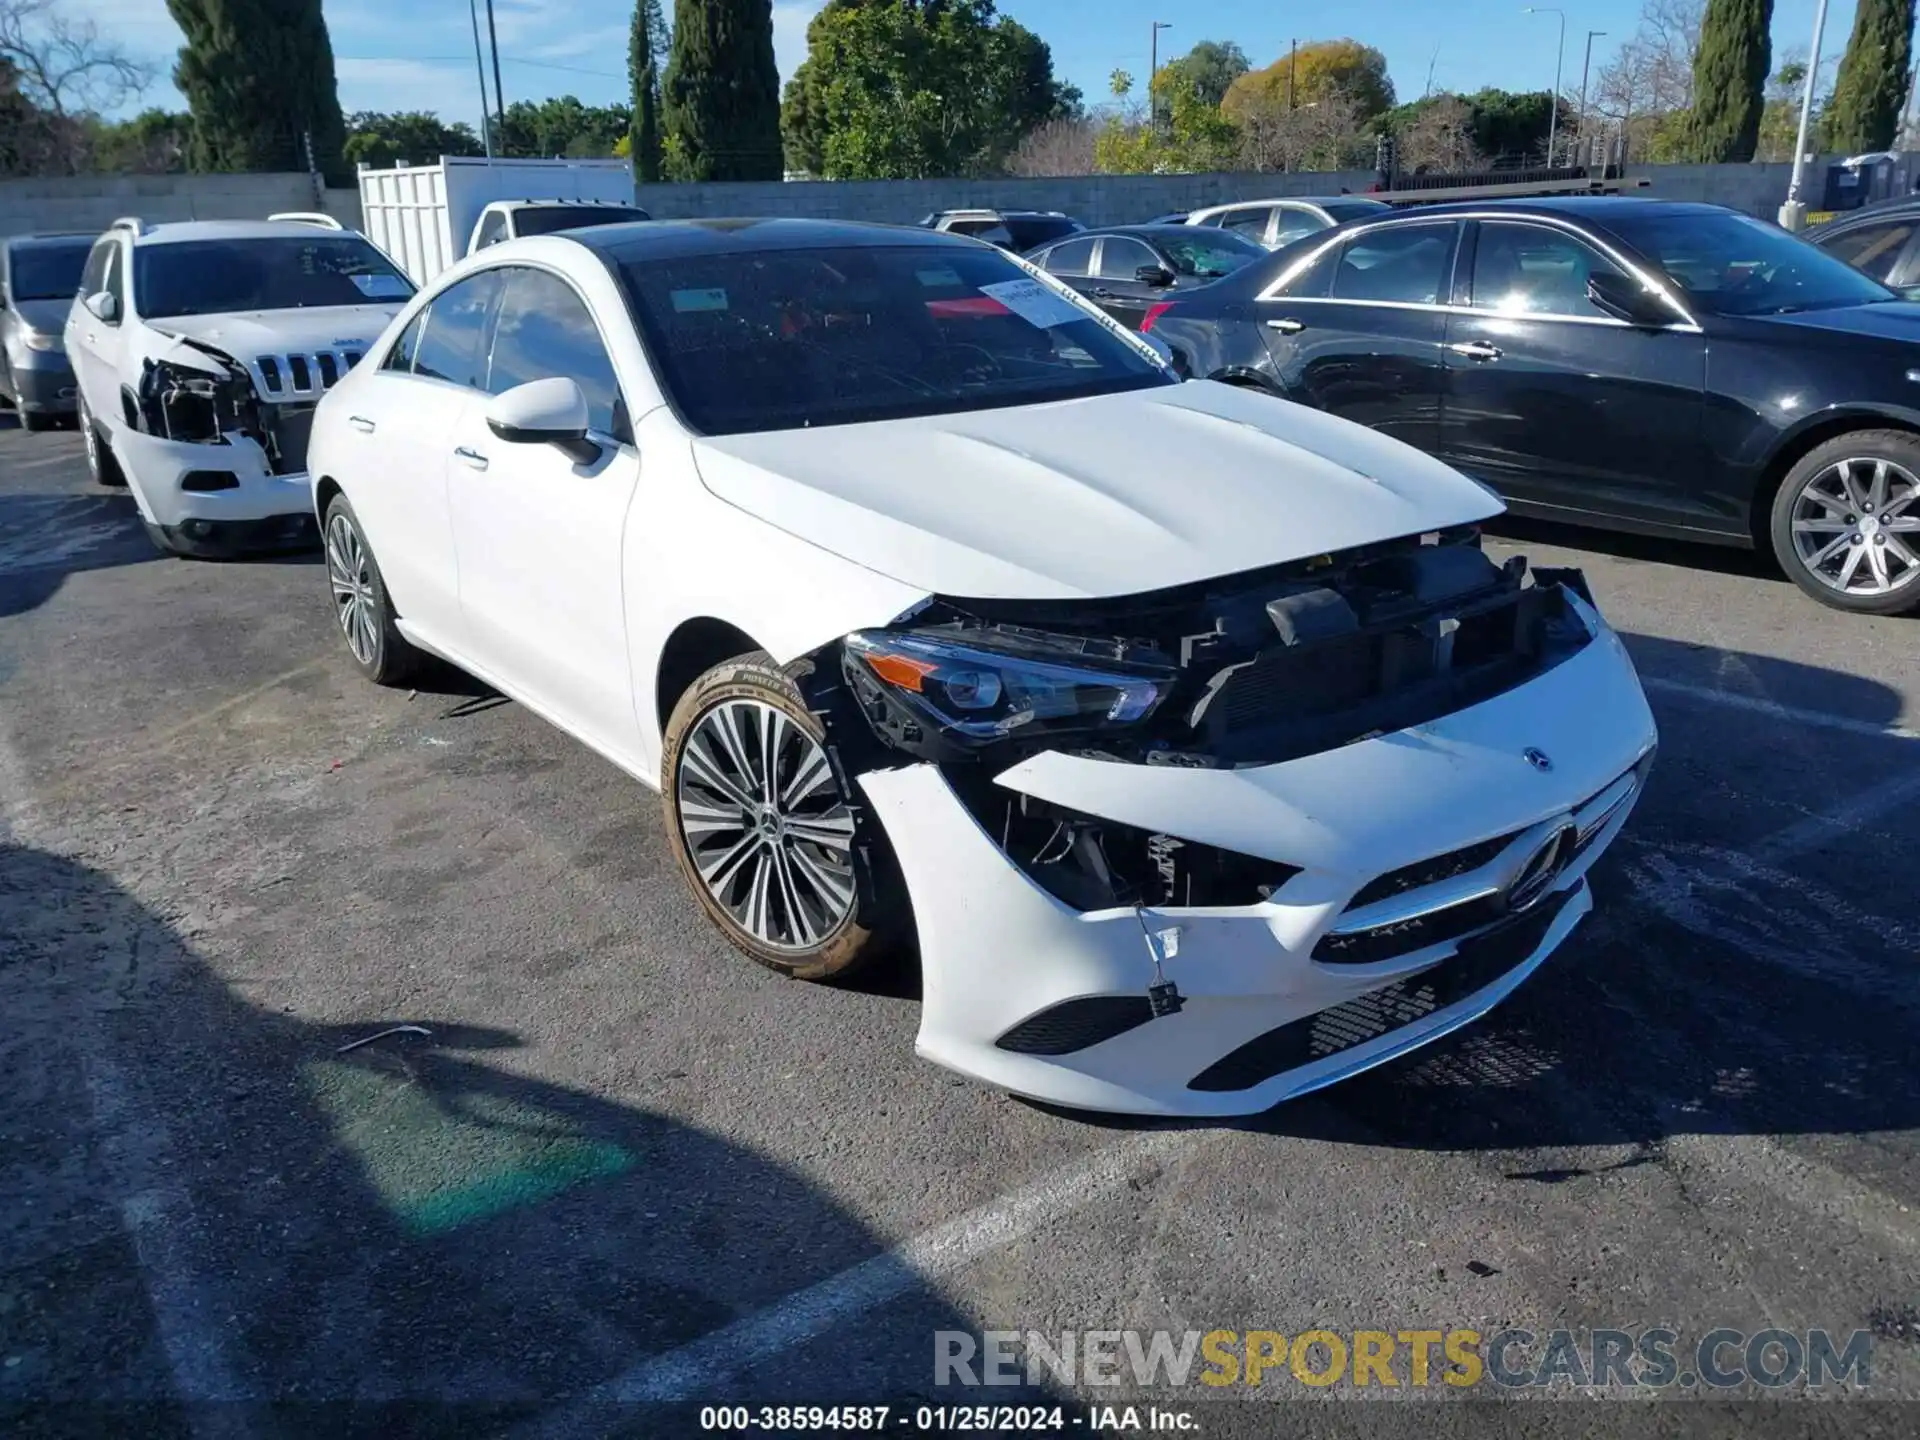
(669, 239)
(1145, 230)
(1598, 207)
(169, 232)
(1287, 200)
(1880, 209)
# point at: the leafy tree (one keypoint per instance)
(1729, 75)
(1320, 70)
(405, 137)
(564, 126)
(646, 47)
(1872, 84)
(258, 77)
(720, 102)
(895, 89)
(1204, 72)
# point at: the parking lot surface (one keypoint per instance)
(623, 1162)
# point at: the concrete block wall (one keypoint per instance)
(92, 202)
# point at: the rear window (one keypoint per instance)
(784, 339)
(546, 219)
(218, 277)
(1031, 230)
(46, 271)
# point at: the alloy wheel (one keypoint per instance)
(766, 825)
(350, 573)
(1856, 526)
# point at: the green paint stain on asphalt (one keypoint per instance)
(442, 1161)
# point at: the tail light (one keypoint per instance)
(1154, 312)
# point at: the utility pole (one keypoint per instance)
(1793, 214)
(480, 74)
(1435, 60)
(1153, 69)
(1293, 64)
(1559, 57)
(499, 95)
(1586, 144)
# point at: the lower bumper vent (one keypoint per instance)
(1076, 1024)
(1479, 962)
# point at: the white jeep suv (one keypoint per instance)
(199, 351)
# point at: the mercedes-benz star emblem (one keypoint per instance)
(1538, 759)
(1543, 867)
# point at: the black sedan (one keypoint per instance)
(1645, 365)
(1128, 269)
(1880, 240)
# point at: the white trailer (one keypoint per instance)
(424, 216)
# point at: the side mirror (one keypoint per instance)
(1627, 299)
(1156, 275)
(544, 412)
(104, 306)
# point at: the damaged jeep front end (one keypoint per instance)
(197, 394)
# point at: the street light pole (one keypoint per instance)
(1585, 65)
(1559, 58)
(499, 95)
(1153, 69)
(1793, 214)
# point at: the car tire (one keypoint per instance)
(781, 869)
(101, 465)
(361, 605)
(1840, 522)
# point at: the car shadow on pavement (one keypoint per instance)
(1648, 549)
(46, 538)
(381, 1227)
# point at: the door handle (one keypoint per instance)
(1102, 294)
(1476, 350)
(472, 458)
(1288, 326)
(361, 423)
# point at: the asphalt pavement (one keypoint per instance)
(245, 1195)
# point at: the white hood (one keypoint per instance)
(1113, 495)
(285, 332)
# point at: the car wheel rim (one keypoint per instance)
(767, 828)
(351, 576)
(1856, 527)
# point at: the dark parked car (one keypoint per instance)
(1669, 368)
(1277, 223)
(38, 277)
(1129, 268)
(1881, 240)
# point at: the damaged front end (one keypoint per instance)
(1249, 670)
(197, 394)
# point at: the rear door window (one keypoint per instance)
(1874, 249)
(1120, 257)
(1072, 257)
(1248, 220)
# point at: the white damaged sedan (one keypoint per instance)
(1190, 732)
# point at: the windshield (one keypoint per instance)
(1734, 265)
(218, 277)
(776, 340)
(545, 219)
(46, 272)
(1209, 254)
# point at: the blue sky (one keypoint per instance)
(418, 54)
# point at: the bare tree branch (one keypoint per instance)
(63, 66)
(1058, 147)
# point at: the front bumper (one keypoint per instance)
(258, 504)
(45, 389)
(1009, 970)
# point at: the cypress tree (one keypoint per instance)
(1729, 81)
(1872, 85)
(258, 78)
(648, 39)
(720, 105)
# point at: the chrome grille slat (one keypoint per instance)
(300, 375)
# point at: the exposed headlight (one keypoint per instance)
(977, 688)
(36, 341)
